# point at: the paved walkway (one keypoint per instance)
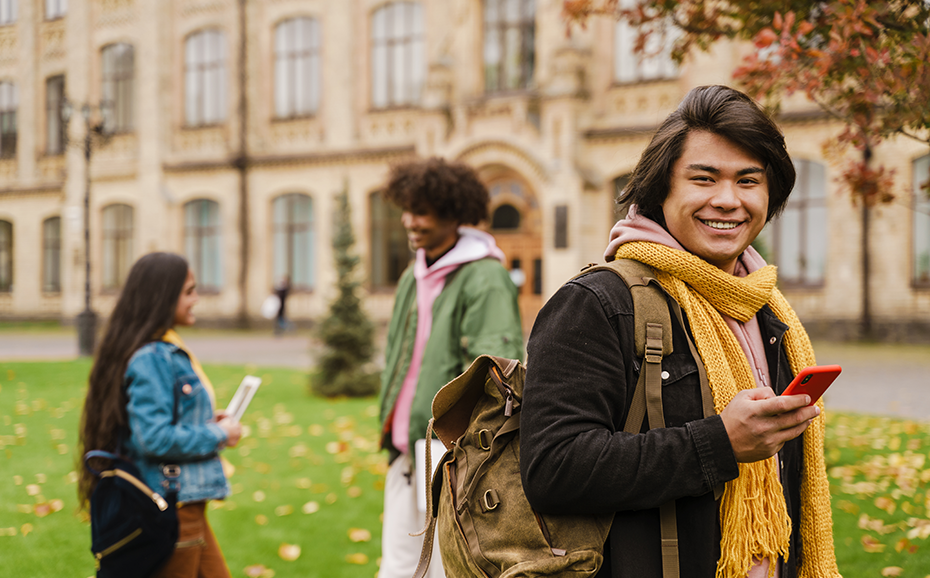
(876, 379)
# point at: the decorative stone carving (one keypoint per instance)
(194, 7)
(115, 12)
(7, 171)
(9, 42)
(52, 39)
(52, 168)
(296, 132)
(211, 139)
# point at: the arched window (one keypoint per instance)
(51, 255)
(55, 127)
(653, 64)
(117, 71)
(509, 44)
(800, 233)
(921, 181)
(6, 256)
(390, 252)
(398, 65)
(117, 244)
(202, 243)
(505, 218)
(7, 11)
(205, 78)
(55, 9)
(296, 67)
(9, 102)
(293, 239)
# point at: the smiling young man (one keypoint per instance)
(454, 303)
(747, 480)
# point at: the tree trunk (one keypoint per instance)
(866, 330)
(242, 166)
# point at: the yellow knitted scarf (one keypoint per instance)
(171, 336)
(754, 520)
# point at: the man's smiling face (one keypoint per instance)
(718, 199)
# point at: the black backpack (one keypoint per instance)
(133, 528)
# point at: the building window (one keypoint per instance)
(297, 68)
(55, 128)
(117, 245)
(293, 239)
(799, 235)
(921, 168)
(202, 242)
(6, 256)
(55, 9)
(509, 44)
(7, 11)
(654, 63)
(390, 253)
(505, 218)
(51, 255)
(398, 66)
(9, 102)
(205, 78)
(117, 71)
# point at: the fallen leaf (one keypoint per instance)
(41, 478)
(261, 520)
(8, 531)
(56, 505)
(33, 489)
(289, 552)
(311, 508)
(258, 571)
(42, 510)
(331, 498)
(18, 480)
(357, 558)
(304, 483)
(870, 544)
(258, 496)
(359, 535)
(891, 571)
(25, 529)
(285, 510)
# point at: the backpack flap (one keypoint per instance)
(454, 404)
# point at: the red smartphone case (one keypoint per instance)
(813, 381)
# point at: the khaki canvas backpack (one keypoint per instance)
(485, 525)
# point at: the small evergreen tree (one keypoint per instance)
(347, 332)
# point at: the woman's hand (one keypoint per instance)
(232, 428)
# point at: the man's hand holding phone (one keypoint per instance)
(759, 423)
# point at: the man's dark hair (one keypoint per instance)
(723, 111)
(448, 190)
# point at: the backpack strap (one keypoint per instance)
(652, 340)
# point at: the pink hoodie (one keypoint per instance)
(638, 228)
(471, 246)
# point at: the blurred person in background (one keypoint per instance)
(454, 303)
(141, 371)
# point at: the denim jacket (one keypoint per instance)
(159, 375)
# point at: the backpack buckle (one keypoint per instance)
(171, 470)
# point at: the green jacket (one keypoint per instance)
(476, 313)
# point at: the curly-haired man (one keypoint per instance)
(454, 303)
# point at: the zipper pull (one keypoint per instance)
(508, 405)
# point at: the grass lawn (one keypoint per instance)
(309, 475)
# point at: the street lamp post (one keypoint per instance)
(87, 319)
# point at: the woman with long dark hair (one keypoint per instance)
(150, 401)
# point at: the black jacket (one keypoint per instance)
(575, 457)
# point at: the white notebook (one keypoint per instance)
(245, 393)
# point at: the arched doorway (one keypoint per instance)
(516, 223)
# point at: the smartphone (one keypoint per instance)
(813, 381)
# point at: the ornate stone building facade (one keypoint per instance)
(224, 128)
